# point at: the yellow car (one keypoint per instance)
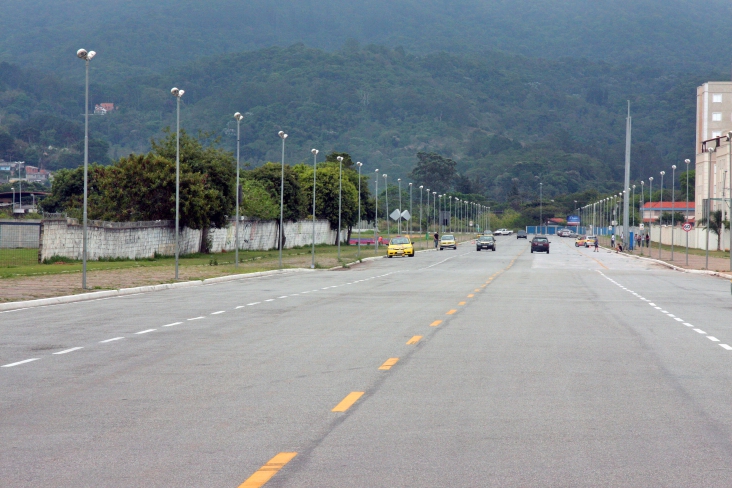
(448, 240)
(400, 246)
(580, 241)
(590, 241)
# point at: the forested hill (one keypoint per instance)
(137, 36)
(501, 117)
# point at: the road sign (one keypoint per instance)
(642, 226)
(395, 214)
(406, 215)
(686, 227)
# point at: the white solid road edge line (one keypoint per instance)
(19, 362)
(83, 297)
(69, 350)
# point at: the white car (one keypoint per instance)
(502, 232)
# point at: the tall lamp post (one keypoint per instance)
(434, 211)
(283, 136)
(86, 56)
(399, 221)
(315, 175)
(660, 217)
(376, 214)
(386, 198)
(238, 118)
(710, 150)
(449, 213)
(729, 215)
(421, 187)
(358, 253)
(177, 93)
(650, 220)
(411, 217)
(686, 212)
(642, 213)
(340, 198)
(541, 205)
(673, 207)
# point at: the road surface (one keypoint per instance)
(450, 369)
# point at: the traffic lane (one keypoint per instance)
(165, 388)
(530, 400)
(56, 328)
(699, 302)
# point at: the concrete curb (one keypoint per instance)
(675, 268)
(96, 295)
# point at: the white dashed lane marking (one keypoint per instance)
(145, 331)
(111, 340)
(19, 363)
(69, 350)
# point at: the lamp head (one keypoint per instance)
(673, 166)
(359, 164)
(376, 170)
(687, 161)
(282, 135)
(340, 159)
(315, 152)
(650, 179)
(663, 173)
(410, 184)
(710, 150)
(81, 53)
(238, 116)
(422, 186)
(399, 179)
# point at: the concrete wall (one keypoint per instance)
(19, 234)
(697, 237)
(136, 240)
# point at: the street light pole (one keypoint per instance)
(420, 207)
(86, 56)
(660, 217)
(340, 198)
(283, 136)
(399, 221)
(673, 207)
(541, 205)
(358, 253)
(386, 197)
(238, 118)
(642, 212)
(177, 93)
(729, 214)
(709, 202)
(411, 215)
(376, 214)
(650, 220)
(686, 211)
(315, 176)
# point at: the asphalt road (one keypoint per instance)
(450, 369)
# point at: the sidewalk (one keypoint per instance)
(695, 261)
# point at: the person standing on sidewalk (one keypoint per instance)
(648, 239)
(612, 241)
(437, 239)
(597, 245)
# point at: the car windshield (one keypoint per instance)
(448, 238)
(540, 239)
(486, 238)
(400, 240)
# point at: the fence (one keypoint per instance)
(19, 242)
(552, 229)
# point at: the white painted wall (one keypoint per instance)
(697, 237)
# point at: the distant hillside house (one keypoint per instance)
(32, 173)
(103, 108)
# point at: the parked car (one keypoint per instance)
(540, 244)
(590, 241)
(502, 232)
(400, 246)
(580, 241)
(485, 242)
(448, 240)
(521, 235)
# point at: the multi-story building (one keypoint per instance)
(713, 127)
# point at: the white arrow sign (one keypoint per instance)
(395, 214)
(406, 215)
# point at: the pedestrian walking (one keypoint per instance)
(638, 240)
(437, 238)
(648, 239)
(597, 245)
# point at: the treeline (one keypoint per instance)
(141, 187)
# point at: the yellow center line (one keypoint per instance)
(451, 312)
(462, 303)
(389, 363)
(477, 289)
(482, 286)
(414, 340)
(266, 472)
(471, 295)
(346, 403)
(435, 323)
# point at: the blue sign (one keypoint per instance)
(573, 220)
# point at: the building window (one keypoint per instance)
(717, 98)
(716, 133)
(716, 116)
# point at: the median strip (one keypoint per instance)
(266, 472)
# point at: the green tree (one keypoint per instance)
(270, 176)
(692, 183)
(257, 202)
(217, 166)
(434, 171)
(716, 224)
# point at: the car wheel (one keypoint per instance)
(440, 249)
(477, 249)
(390, 257)
(547, 251)
(532, 251)
(494, 249)
(411, 255)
